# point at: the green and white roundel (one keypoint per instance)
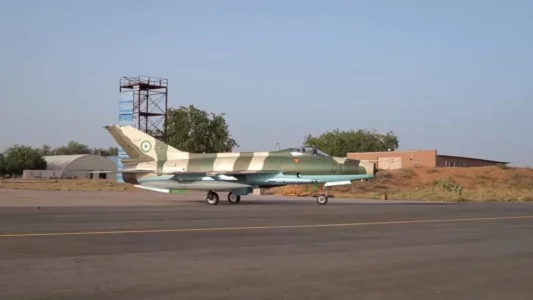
(146, 146)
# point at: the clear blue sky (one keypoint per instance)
(449, 75)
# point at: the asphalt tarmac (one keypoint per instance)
(81, 245)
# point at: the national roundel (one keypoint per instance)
(146, 146)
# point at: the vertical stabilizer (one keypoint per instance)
(139, 145)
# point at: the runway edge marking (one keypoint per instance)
(261, 227)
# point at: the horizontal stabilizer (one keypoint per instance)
(160, 190)
(131, 171)
(153, 189)
(136, 171)
(136, 160)
(335, 183)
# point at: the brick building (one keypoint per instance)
(420, 158)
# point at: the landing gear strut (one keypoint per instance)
(323, 199)
(234, 199)
(212, 198)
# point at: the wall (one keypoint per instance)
(418, 158)
(399, 159)
(46, 174)
(455, 161)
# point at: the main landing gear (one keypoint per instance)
(212, 198)
(234, 199)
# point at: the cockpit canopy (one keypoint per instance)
(304, 151)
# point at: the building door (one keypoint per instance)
(389, 163)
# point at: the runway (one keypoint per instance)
(80, 245)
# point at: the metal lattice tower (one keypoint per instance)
(149, 98)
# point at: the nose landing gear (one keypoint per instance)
(323, 199)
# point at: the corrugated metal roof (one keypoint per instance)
(60, 162)
(473, 158)
(113, 159)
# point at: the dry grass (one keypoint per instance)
(497, 183)
(430, 184)
(66, 185)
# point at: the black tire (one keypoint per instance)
(322, 200)
(234, 199)
(212, 198)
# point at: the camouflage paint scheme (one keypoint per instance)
(153, 163)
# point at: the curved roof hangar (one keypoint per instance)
(79, 166)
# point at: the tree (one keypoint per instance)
(2, 165)
(19, 157)
(74, 147)
(194, 130)
(338, 143)
(111, 151)
(45, 150)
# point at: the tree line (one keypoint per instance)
(73, 148)
(195, 130)
(17, 158)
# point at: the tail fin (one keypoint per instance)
(141, 146)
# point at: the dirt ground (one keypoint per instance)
(498, 183)
(67, 185)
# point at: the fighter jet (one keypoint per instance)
(156, 166)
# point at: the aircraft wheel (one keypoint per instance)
(234, 199)
(322, 200)
(212, 198)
